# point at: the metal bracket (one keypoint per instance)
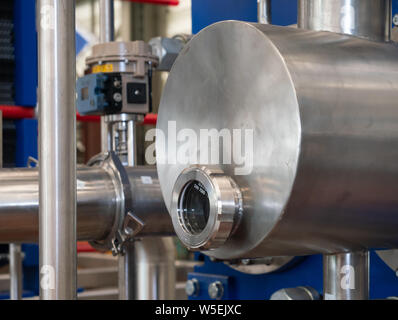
(127, 225)
(132, 226)
(32, 162)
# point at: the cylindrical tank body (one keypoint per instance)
(363, 18)
(322, 109)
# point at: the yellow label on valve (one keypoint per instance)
(103, 68)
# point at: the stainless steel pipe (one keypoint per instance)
(362, 18)
(57, 148)
(15, 272)
(107, 34)
(107, 21)
(127, 272)
(155, 271)
(96, 204)
(346, 276)
(264, 11)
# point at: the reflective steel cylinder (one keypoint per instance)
(318, 144)
(362, 18)
(96, 204)
(346, 276)
(57, 147)
(264, 11)
(154, 268)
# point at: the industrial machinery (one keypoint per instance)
(276, 155)
(316, 109)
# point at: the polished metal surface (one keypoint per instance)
(19, 204)
(299, 293)
(107, 20)
(155, 277)
(346, 276)
(131, 143)
(261, 265)
(192, 287)
(322, 107)
(97, 204)
(122, 132)
(264, 11)
(216, 290)
(57, 148)
(127, 274)
(199, 230)
(15, 272)
(167, 50)
(148, 204)
(107, 34)
(147, 270)
(362, 18)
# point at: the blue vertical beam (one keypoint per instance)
(206, 12)
(26, 141)
(25, 41)
(394, 7)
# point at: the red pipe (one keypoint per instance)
(150, 119)
(87, 118)
(84, 247)
(161, 2)
(15, 112)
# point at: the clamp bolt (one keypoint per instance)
(117, 97)
(216, 290)
(395, 20)
(192, 287)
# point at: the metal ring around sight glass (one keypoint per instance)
(206, 207)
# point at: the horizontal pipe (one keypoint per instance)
(96, 204)
(16, 112)
(148, 203)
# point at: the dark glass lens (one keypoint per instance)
(195, 207)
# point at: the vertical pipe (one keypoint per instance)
(131, 143)
(15, 272)
(346, 276)
(107, 34)
(155, 269)
(362, 18)
(127, 270)
(57, 148)
(264, 11)
(127, 273)
(107, 21)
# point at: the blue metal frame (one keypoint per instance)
(306, 272)
(206, 12)
(25, 42)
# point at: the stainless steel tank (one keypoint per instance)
(323, 109)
